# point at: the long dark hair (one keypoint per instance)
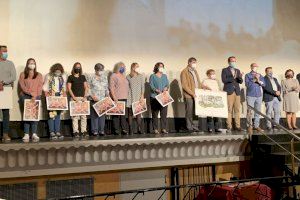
(156, 67)
(74, 66)
(26, 70)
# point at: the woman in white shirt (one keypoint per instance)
(213, 123)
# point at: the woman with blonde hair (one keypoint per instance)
(119, 88)
(136, 93)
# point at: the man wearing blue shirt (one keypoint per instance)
(254, 94)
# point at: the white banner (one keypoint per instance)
(211, 103)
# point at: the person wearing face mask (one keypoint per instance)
(136, 93)
(254, 83)
(290, 89)
(119, 89)
(7, 78)
(55, 85)
(232, 78)
(98, 85)
(158, 83)
(78, 89)
(212, 84)
(190, 81)
(271, 97)
(31, 85)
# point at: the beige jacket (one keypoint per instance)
(188, 83)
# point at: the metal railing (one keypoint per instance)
(285, 182)
(291, 152)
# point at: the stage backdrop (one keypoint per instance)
(147, 31)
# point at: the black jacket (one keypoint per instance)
(269, 93)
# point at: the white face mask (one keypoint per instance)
(254, 69)
(213, 76)
(31, 66)
(161, 69)
(137, 70)
(194, 65)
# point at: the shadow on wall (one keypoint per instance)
(90, 29)
(285, 13)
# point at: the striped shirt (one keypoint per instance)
(136, 88)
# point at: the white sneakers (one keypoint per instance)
(26, 138)
(34, 137)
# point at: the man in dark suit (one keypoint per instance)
(271, 97)
(232, 78)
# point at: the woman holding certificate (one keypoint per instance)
(31, 84)
(55, 86)
(78, 89)
(119, 89)
(136, 93)
(98, 90)
(159, 83)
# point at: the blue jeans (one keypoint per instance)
(5, 122)
(97, 123)
(256, 103)
(28, 124)
(274, 106)
(54, 123)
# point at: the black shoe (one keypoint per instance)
(218, 131)
(85, 134)
(141, 132)
(210, 130)
(239, 129)
(76, 135)
(101, 134)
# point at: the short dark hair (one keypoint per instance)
(287, 71)
(267, 68)
(209, 71)
(99, 67)
(230, 58)
(191, 59)
(3, 46)
(156, 66)
(74, 66)
(55, 67)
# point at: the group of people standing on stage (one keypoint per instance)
(131, 88)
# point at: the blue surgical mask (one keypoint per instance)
(270, 74)
(122, 70)
(4, 55)
(232, 64)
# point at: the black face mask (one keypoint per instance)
(77, 70)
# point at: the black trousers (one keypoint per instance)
(155, 109)
(139, 120)
(119, 122)
(213, 123)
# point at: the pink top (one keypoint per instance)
(119, 85)
(31, 86)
